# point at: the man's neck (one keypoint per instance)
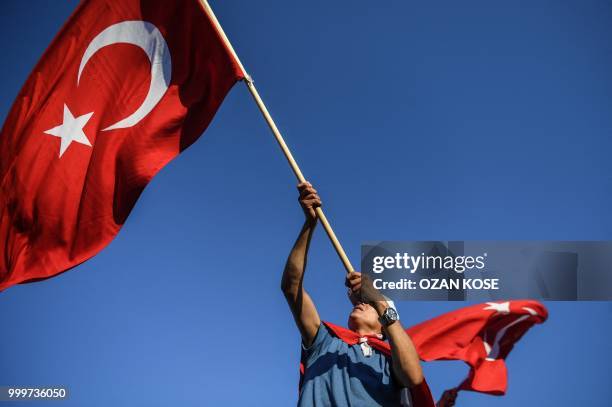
(366, 332)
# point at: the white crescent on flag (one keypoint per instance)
(147, 37)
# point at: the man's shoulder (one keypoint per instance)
(337, 331)
(325, 341)
(324, 335)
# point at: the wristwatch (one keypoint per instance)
(389, 316)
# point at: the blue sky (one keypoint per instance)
(415, 120)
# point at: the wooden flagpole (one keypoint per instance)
(279, 138)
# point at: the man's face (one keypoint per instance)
(364, 318)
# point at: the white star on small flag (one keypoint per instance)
(71, 130)
(499, 307)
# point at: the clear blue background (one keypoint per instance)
(415, 120)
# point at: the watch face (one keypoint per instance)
(391, 314)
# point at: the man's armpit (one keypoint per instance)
(319, 342)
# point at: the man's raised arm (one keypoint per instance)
(303, 309)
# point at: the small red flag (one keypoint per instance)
(122, 90)
(482, 336)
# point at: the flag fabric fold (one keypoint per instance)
(123, 88)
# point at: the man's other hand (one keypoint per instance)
(361, 289)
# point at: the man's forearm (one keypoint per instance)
(405, 359)
(296, 262)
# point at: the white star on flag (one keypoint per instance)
(71, 130)
(499, 307)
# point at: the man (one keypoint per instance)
(350, 367)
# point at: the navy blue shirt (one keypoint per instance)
(338, 374)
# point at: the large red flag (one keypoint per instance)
(123, 89)
(482, 336)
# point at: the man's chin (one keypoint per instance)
(353, 319)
